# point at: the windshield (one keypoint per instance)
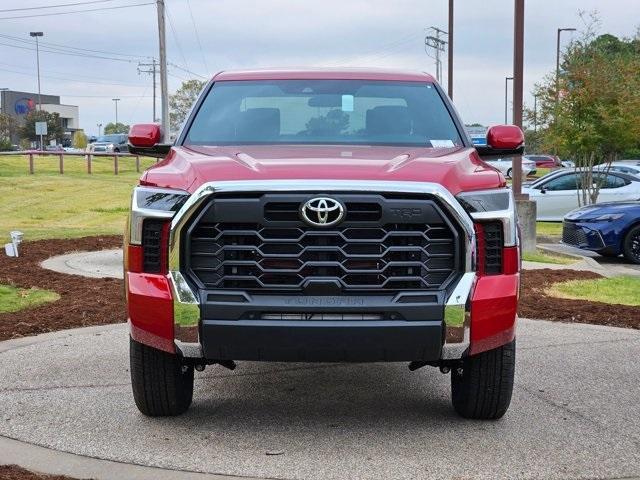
(332, 112)
(110, 138)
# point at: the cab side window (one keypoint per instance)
(612, 181)
(564, 182)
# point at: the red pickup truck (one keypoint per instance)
(323, 216)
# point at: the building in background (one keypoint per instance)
(19, 104)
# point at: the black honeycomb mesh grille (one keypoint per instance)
(360, 256)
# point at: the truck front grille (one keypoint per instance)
(281, 253)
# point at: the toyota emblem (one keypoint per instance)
(322, 211)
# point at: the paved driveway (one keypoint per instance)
(575, 412)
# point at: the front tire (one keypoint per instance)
(482, 388)
(162, 385)
(631, 246)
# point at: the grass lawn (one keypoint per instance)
(549, 229)
(76, 204)
(15, 299)
(617, 290)
(544, 257)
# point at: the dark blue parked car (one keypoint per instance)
(610, 229)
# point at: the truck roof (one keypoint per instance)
(325, 74)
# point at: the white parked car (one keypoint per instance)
(505, 165)
(556, 193)
(632, 167)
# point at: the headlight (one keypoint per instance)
(152, 202)
(496, 205)
(609, 217)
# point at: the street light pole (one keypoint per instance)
(560, 30)
(506, 98)
(36, 35)
(116, 100)
(99, 125)
(535, 112)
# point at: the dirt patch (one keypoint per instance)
(83, 301)
(13, 472)
(535, 303)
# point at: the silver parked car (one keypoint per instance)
(113, 143)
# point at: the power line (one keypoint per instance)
(175, 37)
(186, 70)
(195, 29)
(28, 70)
(54, 6)
(86, 55)
(77, 11)
(373, 53)
(58, 46)
(70, 79)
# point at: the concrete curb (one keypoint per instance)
(14, 343)
(53, 462)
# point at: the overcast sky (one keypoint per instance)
(263, 33)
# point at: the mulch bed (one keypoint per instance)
(534, 303)
(13, 472)
(83, 301)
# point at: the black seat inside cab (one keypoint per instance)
(388, 120)
(257, 124)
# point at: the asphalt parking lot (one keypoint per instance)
(575, 412)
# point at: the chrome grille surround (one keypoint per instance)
(186, 305)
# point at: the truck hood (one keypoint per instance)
(457, 169)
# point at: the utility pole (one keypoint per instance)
(506, 99)
(450, 53)
(438, 45)
(116, 100)
(164, 86)
(525, 208)
(152, 69)
(518, 88)
(99, 125)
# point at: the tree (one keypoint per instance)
(180, 102)
(8, 126)
(54, 126)
(111, 128)
(79, 140)
(593, 116)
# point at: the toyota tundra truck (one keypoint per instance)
(323, 216)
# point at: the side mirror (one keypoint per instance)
(504, 141)
(145, 138)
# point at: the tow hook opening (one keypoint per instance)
(201, 364)
(445, 366)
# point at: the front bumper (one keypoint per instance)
(433, 330)
(586, 236)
